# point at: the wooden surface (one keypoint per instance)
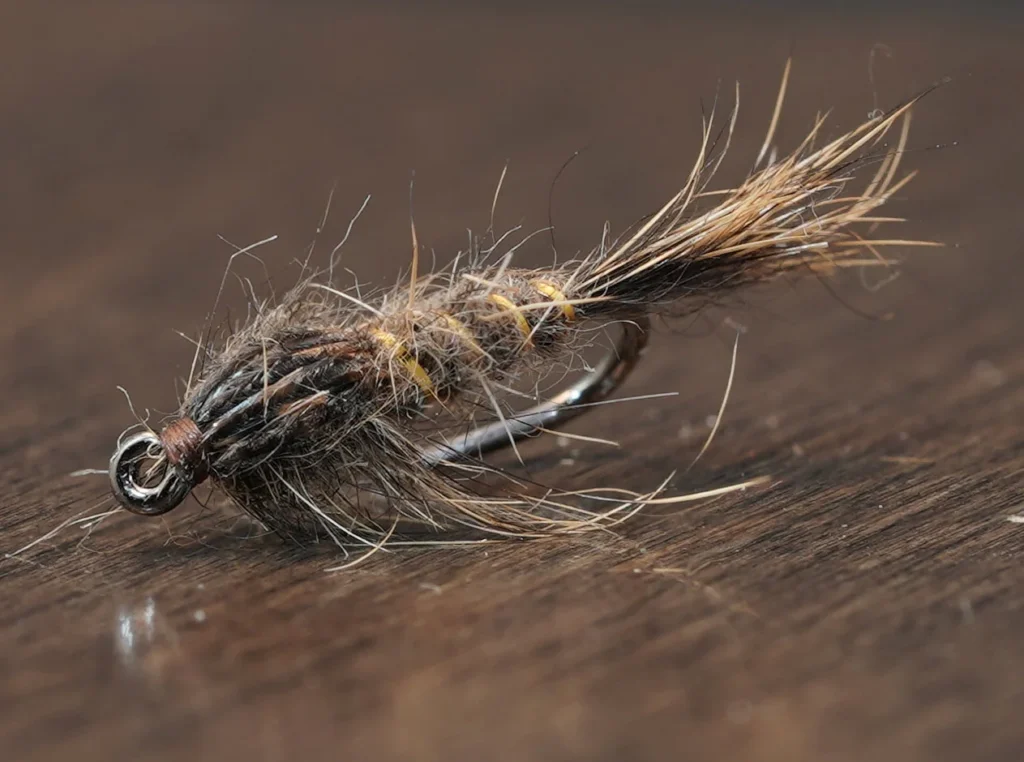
(870, 605)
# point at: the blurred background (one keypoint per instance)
(139, 133)
(135, 136)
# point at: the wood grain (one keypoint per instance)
(869, 605)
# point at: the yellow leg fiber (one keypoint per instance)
(419, 376)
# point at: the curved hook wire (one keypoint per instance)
(563, 407)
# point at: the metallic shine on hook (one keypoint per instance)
(125, 467)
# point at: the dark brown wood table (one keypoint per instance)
(869, 605)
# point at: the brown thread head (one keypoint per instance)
(183, 443)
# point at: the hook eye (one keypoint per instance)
(146, 498)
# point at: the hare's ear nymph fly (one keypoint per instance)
(337, 413)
